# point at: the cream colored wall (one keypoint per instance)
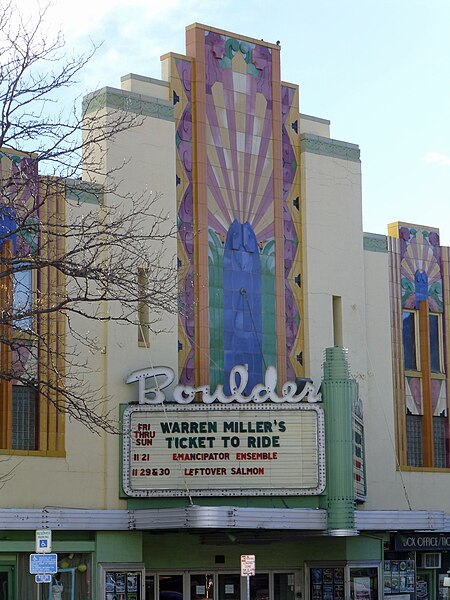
(314, 125)
(388, 488)
(383, 481)
(88, 477)
(147, 86)
(333, 259)
(149, 151)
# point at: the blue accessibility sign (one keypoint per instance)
(47, 578)
(43, 563)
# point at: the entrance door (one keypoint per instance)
(259, 587)
(284, 586)
(425, 585)
(6, 583)
(229, 586)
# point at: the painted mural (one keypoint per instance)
(418, 269)
(227, 180)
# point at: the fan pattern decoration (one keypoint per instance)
(421, 268)
(240, 214)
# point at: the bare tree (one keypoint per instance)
(63, 260)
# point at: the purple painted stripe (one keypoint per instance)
(267, 233)
(264, 204)
(213, 122)
(249, 133)
(266, 139)
(228, 92)
(216, 192)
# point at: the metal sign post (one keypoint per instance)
(247, 569)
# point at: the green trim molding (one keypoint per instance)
(83, 191)
(130, 102)
(317, 144)
(375, 242)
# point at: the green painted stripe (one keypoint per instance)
(83, 192)
(374, 242)
(128, 102)
(317, 144)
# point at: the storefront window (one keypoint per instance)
(72, 581)
(331, 582)
(364, 583)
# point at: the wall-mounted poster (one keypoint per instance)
(362, 588)
(399, 577)
(327, 583)
(122, 585)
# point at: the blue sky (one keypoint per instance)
(378, 69)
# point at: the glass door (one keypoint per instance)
(229, 586)
(170, 587)
(425, 585)
(259, 587)
(284, 586)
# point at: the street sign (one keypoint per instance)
(43, 563)
(247, 565)
(47, 578)
(43, 541)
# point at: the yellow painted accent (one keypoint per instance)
(393, 228)
(427, 428)
(398, 373)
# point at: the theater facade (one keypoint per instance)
(294, 410)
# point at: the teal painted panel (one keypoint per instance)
(181, 551)
(119, 546)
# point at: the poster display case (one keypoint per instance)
(346, 580)
(399, 577)
(122, 581)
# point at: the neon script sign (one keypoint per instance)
(151, 388)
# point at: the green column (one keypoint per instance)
(338, 393)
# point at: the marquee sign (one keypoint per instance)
(228, 449)
(223, 450)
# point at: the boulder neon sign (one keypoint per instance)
(185, 394)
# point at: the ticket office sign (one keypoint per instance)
(210, 450)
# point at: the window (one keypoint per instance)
(426, 431)
(22, 298)
(143, 312)
(24, 418)
(30, 424)
(435, 343)
(409, 340)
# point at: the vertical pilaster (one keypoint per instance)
(425, 367)
(338, 393)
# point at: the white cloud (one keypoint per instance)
(436, 158)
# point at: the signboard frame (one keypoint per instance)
(169, 409)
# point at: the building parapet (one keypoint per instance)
(317, 144)
(126, 101)
(375, 242)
